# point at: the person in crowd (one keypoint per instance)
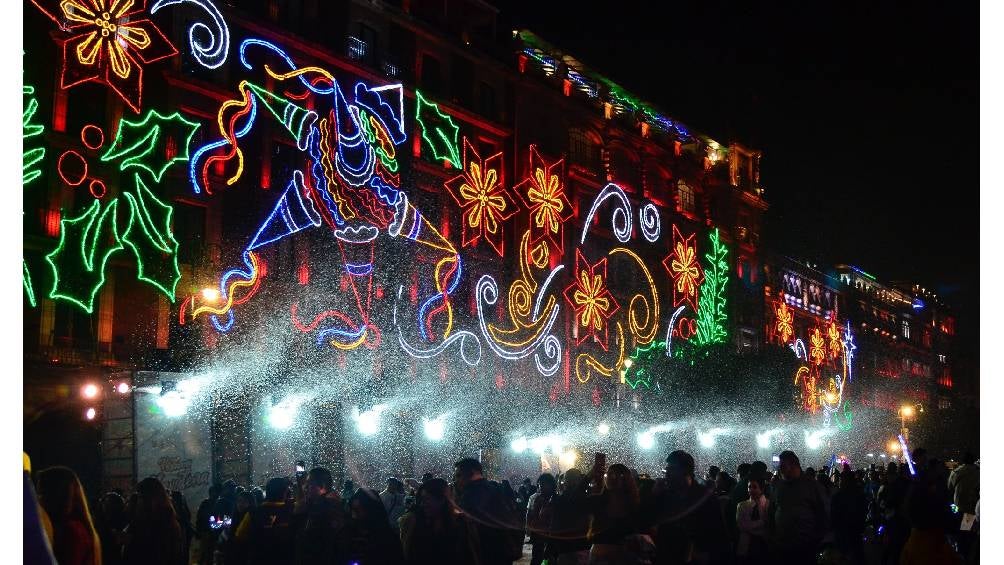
(184, 515)
(711, 476)
(154, 536)
(738, 494)
(927, 543)
(689, 523)
(526, 490)
(751, 522)
(37, 540)
(892, 508)
(568, 543)
(266, 530)
(74, 539)
(237, 551)
(227, 500)
(500, 527)
(110, 522)
(435, 531)
(426, 477)
(348, 489)
(318, 518)
(367, 536)
(392, 498)
(615, 520)
(964, 486)
(848, 511)
(797, 519)
(207, 535)
(539, 515)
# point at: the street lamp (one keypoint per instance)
(908, 411)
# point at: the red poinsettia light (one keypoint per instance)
(685, 269)
(111, 43)
(543, 194)
(591, 299)
(481, 194)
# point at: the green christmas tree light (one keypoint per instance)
(712, 313)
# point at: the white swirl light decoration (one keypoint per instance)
(488, 291)
(209, 49)
(471, 359)
(621, 218)
(651, 223)
(669, 331)
(552, 346)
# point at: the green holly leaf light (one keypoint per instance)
(143, 144)
(78, 262)
(149, 235)
(438, 131)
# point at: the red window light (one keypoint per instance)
(303, 274)
(52, 218)
(59, 111)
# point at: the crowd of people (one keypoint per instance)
(608, 515)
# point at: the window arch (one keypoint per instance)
(686, 200)
(583, 149)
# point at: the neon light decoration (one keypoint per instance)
(148, 234)
(784, 321)
(650, 222)
(621, 217)
(638, 372)
(440, 133)
(591, 300)
(350, 185)
(643, 331)
(528, 328)
(835, 345)
(111, 42)
(30, 156)
(817, 348)
(142, 144)
(481, 194)
(543, 195)
(712, 312)
(209, 49)
(684, 269)
(85, 244)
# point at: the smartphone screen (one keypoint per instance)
(300, 467)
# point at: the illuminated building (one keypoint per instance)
(374, 195)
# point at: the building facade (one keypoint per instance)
(344, 167)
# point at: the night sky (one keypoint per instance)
(866, 113)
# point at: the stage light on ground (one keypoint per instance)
(368, 422)
(882, 455)
(123, 387)
(646, 440)
(282, 415)
(172, 404)
(90, 391)
(91, 413)
(603, 428)
(763, 439)
(519, 445)
(707, 439)
(434, 428)
(893, 446)
(871, 455)
(814, 440)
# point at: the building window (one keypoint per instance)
(431, 75)
(582, 151)
(686, 197)
(906, 329)
(941, 358)
(486, 100)
(944, 403)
